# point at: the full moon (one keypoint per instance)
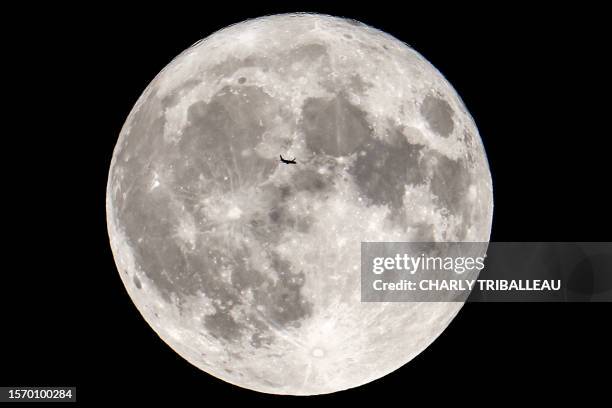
(249, 268)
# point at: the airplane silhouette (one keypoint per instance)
(287, 161)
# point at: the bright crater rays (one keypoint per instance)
(250, 268)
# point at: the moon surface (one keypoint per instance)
(249, 268)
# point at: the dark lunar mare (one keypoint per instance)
(233, 121)
(384, 167)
